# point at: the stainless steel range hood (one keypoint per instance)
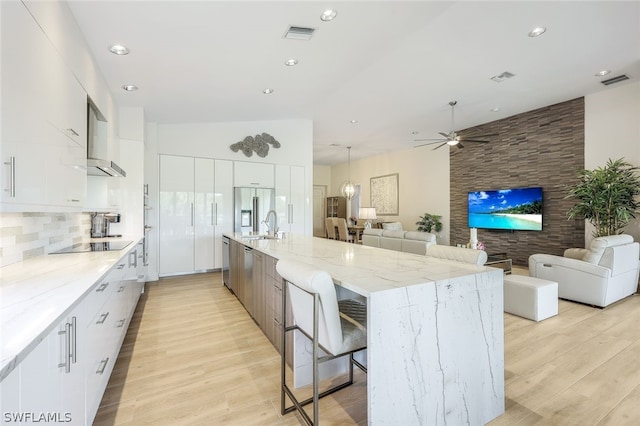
(97, 147)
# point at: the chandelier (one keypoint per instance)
(348, 189)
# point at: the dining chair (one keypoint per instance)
(343, 231)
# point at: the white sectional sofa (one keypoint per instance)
(407, 241)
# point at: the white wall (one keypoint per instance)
(423, 177)
(612, 130)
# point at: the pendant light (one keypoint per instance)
(348, 189)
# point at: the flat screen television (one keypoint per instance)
(514, 209)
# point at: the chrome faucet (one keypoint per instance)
(266, 222)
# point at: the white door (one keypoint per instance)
(176, 215)
(223, 205)
(204, 214)
(319, 192)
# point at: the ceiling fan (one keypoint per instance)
(452, 138)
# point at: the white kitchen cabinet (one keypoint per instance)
(223, 205)
(290, 198)
(248, 174)
(195, 208)
(39, 93)
(204, 214)
(176, 215)
(10, 397)
(52, 375)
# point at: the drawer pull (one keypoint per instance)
(121, 289)
(102, 287)
(102, 366)
(121, 266)
(121, 323)
(12, 174)
(103, 318)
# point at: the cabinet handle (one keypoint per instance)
(193, 219)
(102, 287)
(254, 183)
(73, 200)
(121, 289)
(102, 366)
(121, 323)
(74, 340)
(213, 214)
(103, 318)
(290, 213)
(67, 342)
(12, 164)
(133, 263)
(73, 132)
(120, 266)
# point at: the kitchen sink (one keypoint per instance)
(259, 237)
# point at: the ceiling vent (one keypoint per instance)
(299, 33)
(502, 77)
(614, 80)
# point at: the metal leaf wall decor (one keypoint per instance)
(259, 144)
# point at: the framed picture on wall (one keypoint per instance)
(384, 194)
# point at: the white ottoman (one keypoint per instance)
(531, 298)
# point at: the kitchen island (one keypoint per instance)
(435, 350)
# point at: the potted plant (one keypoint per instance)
(429, 223)
(607, 196)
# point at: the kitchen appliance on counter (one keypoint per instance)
(100, 223)
(251, 207)
(94, 246)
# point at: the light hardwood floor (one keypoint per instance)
(193, 356)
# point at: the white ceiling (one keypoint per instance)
(391, 65)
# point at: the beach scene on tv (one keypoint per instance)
(511, 209)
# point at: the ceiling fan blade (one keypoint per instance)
(434, 141)
(474, 140)
(430, 139)
(459, 145)
(446, 135)
(439, 146)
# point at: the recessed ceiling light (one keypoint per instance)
(335, 144)
(267, 91)
(602, 73)
(353, 121)
(415, 132)
(291, 62)
(328, 15)
(118, 49)
(537, 31)
(130, 87)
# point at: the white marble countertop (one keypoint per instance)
(37, 293)
(361, 269)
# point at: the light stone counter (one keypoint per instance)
(435, 351)
(37, 293)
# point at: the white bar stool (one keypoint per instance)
(316, 315)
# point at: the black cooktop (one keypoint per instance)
(88, 247)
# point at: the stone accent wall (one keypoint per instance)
(544, 147)
(24, 235)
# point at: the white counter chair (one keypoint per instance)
(316, 315)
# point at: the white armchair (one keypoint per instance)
(599, 276)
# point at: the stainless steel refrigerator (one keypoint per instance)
(251, 208)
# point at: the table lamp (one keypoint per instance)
(368, 214)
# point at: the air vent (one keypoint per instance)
(614, 80)
(502, 77)
(299, 33)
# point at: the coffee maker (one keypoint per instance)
(100, 223)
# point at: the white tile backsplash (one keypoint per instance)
(24, 235)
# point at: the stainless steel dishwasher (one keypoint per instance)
(247, 281)
(226, 273)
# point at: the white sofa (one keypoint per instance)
(599, 276)
(407, 241)
(458, 254)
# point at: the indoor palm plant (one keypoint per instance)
(429, 223)
(607, 196)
